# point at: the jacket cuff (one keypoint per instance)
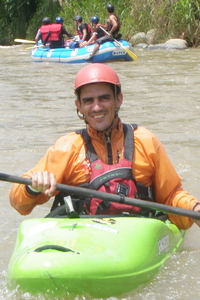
(31, 191)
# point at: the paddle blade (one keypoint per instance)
(128, 51)
(24, 41)
(131, 54)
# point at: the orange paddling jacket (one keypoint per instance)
(150, 166)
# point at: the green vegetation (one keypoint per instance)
(170, 18)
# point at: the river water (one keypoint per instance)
(161, 92)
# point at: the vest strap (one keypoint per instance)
(128, 142)
(112, 174)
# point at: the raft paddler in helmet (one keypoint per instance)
(56, 34)
(83, 29)
(97, 32)
(112, 27)
(115, 145)
(43, 30)
(113, 22)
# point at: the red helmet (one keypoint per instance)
(96, 72)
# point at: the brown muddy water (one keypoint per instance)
(161, 92)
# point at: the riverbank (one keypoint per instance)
(170, 19)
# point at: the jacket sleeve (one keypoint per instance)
(65, 159)
(64, 31)
(152, 166)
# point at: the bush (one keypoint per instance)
(170, 18)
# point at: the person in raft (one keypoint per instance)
(83, 30)
(43, 30)
(112, 27)
(55, 34)
(97, 32)
(132, 155)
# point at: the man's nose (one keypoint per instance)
(97, 104)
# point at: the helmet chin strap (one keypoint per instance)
(82, 117)
(107, 129)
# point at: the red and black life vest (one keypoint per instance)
(44, 30)
(55, 31)
(80, 31)
(115, 179)
(100, 32)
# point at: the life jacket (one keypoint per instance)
(80, 32)
(115, 179)
(101, 33)
(98, 32)
(55, 30)
(44, 30)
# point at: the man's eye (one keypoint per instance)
(86, 101)
(104, 97)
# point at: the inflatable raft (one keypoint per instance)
(109, 51)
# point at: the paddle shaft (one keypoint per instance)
(71, 190)
(34, 47)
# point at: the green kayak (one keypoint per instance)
(97, 256)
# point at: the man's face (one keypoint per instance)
(98, 105)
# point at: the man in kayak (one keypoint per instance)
(55, 34)
(107, 155)
(43, 30)
(112, 27)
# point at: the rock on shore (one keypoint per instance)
(147, 42)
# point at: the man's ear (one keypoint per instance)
(77, 103)
(119, 100)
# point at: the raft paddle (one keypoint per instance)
(79, 191)
(34, 47)
(128, 51)
(24, 41)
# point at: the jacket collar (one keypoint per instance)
(115, 133)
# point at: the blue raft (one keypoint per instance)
(109, 51)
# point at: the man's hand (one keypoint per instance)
(44, 182)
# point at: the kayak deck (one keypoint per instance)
(100, 257)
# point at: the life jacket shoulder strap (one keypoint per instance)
(92, 156)
(88, 28)
(128, 142)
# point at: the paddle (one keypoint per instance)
(128, 51)
(34, 47)
(67, 189)
(24, 41)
